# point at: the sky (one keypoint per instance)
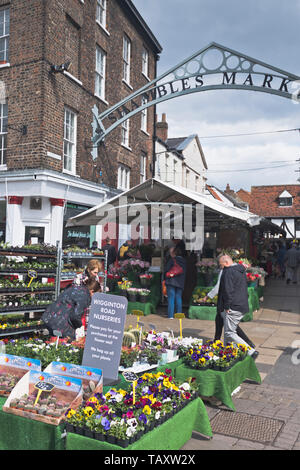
(267, 30)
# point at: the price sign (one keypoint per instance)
(58, 335)
(129, 376)
(33, 275)
(180, 316)
(43, 387)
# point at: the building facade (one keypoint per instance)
(60, 59)
(278, 203)
(179, 161)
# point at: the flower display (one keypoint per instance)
(134, 265)
(120, 414)
(46, 352)
(207, 266)
(214, 355)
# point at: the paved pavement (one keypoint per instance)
(274, 405)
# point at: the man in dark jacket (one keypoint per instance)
(111, 252)
(233, 300)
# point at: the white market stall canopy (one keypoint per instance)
(153, 191)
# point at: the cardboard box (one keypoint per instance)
(17, 367)
(66, 389)
(156, 261)
(88, 376)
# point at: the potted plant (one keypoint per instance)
(145, 280)
(144, 295)
(132, 294)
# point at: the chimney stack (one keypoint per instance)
(162, 128)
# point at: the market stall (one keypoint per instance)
(154, 404)
(213, 383)
(170, 435)
(207, 274)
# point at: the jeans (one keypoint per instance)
(231, 321)
(174, 300)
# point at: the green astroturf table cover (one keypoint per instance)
(170, 435)
(212, 383)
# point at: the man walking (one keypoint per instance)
(233, 301)
(219, 319)
(292, 259)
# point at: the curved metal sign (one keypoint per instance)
(212, 68)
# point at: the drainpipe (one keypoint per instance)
(154, 126)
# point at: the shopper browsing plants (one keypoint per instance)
(65, 314)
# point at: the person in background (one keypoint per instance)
(65, 314)
(175, 285)
(280, 260)
(233, 301)
(219, 323)
(111, 252)
(292, 260)
(123, 250)
(94, 245)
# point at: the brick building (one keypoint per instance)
(278, 203)
(58, 59)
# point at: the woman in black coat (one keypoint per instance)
(175, 285)
(66, 312)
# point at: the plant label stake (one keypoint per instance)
(180, 316)
(172, 332)
(43, 387)
(138, 313)
(131, 377)
(33, 275)
(58, 334)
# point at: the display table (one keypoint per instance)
(209, 313)
(171, 435)
(19, 433)
(217, 384)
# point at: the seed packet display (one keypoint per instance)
(44, 397)
(12, 369)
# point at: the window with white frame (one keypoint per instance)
(100, 73)
(126, 59)
(144, 115)
(197, 183)
(4, 36)
(70, 124)
(143, 168)
(123, 177)
(101, 12)
(3, 133)
(285, 199)
(125, 133)
(145, 62)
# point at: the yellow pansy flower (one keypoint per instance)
(88, 411)
(147, 410)
(71, 413)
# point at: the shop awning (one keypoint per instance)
(154, 191)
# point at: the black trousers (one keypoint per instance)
(219, 327)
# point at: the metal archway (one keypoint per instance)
(212, 68)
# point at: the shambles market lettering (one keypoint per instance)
(264, 81)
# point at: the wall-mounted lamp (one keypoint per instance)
(22, 129)
(61, 68)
